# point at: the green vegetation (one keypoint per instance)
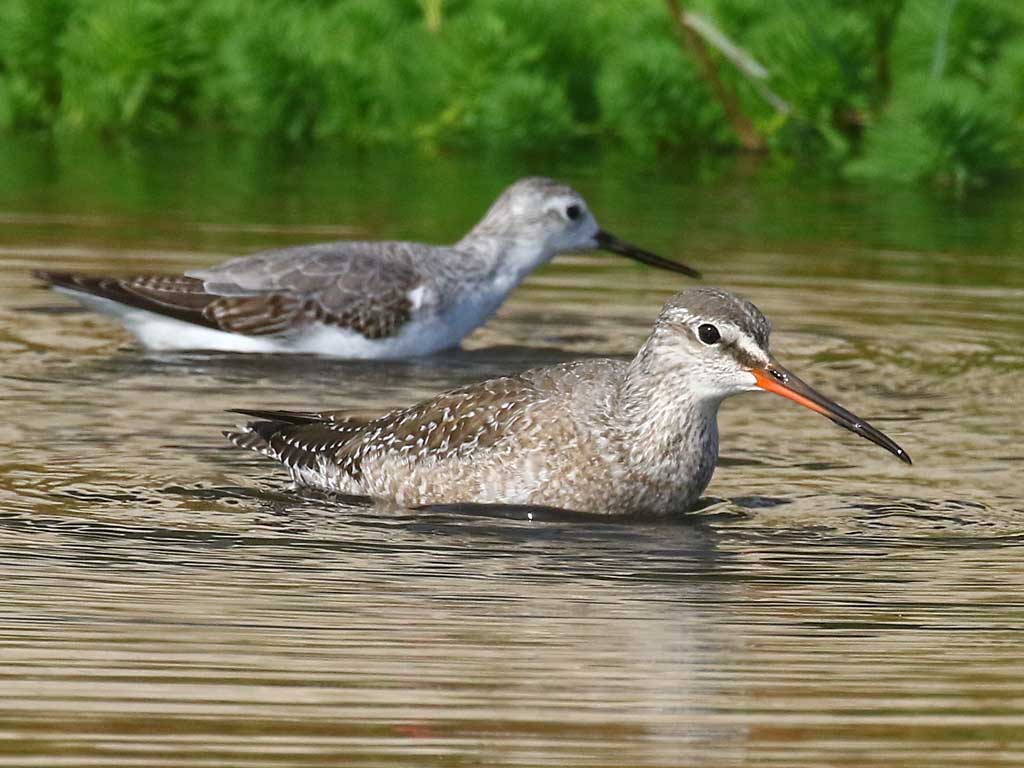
(927, 90)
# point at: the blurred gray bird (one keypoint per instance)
(605, 436)
(374, 299)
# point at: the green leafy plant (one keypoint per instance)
(30, 82)
(949, 133)
(929, 90)
(652, 98)
(127, 66)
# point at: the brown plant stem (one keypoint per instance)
(885, 26)
(741, 123)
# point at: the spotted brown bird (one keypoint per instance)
(605, 436)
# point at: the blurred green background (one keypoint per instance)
(928, 91)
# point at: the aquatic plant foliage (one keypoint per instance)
(905, 89)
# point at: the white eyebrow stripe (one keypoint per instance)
(750, 347)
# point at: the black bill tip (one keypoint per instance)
(606, 241)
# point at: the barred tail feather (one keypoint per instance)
(256, 436)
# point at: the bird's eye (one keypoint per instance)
(573, 212)
(708, 333)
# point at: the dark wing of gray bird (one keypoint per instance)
(365, 287)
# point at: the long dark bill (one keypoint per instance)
(608, 242)
(775, 378)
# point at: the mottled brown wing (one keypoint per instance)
(295, 439)
(448, 425)
(182, 298)
(361, 286)
(262, 314)
(375, 317)
(305, 447)
(185, 298)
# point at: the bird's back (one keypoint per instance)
(533, 438)
(306, 268)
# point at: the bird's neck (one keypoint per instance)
(670, 432)
(501, 258)
(475, 284)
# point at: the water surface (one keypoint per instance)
(165, 600)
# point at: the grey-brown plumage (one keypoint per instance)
(361, 287)
(637, 437)
(371, 299)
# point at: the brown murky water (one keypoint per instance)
(164, 600)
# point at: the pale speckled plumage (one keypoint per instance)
(606, 436)
(374, 299)
(596, 435)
